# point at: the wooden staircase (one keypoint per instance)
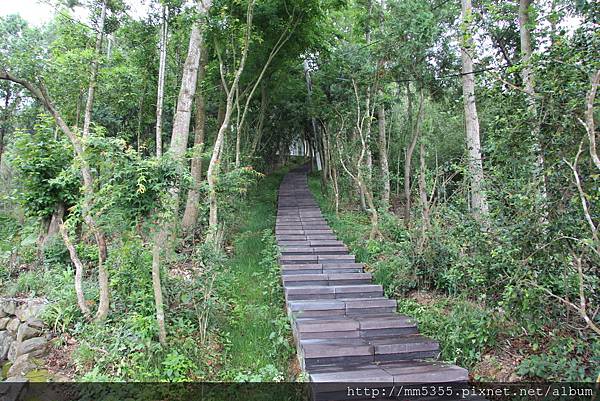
(345, 329)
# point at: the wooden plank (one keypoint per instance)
(425, 372)
(346, 331)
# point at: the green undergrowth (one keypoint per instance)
(463, 330)
(224, 311)
(256, 334)
(459, 301)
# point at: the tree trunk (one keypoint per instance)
(416, 132)
(181, 121)
(55, 220)
(313, 120)
(190, 216)
(164, 31)
(87, 119)
(4, 123)
(2, 133)
(589, 124)
(529, 82)
(425, 223)
(479, 205)
(383, 158)
(261, 118)
(78, 109)
(177, 149)
(211, 174)
(238, 130)
(78, 271)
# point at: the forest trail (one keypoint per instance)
(345, 330)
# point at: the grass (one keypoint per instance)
(257, 333)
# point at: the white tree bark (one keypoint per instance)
(164, 30)
(211, 174)
(177, 149)
(383, 158)
(87, 119)
(190, 214)
(529, 82)
(479, 204)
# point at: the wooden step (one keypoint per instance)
(353, 292)
(308, 293)
(290, 280)
(340, 268)
(388, 324)
(351, 351)
(293, 244)
(369, 306)
(302, 268)
(316, 308)
(317, 268)
(331, 259)
(322, 328)
(299, 280)
(343, 351)
(358, 291)
(330, 236)
(298, 259)
(345, 329)
(307, 250)
(397, 372)
(315, 258)
(325, 242)
(400, 348)
(333, 306)
(368, 327)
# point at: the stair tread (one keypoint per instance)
(345, 329)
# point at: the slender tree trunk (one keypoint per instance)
(589, 124)
(325, 161)
(177, 149)
(383, 158)
(336, 188)
(416, 132)
(78, 271)
(78, 110)
(211, 175)
(190, 216)
(104, 303)
(2, 133)
(4, 123)
(164, 32)
(55, 221)
(261, 118)
(313, 120)
(87, 119)
(529, 82)
(181, 122)
(479, 204)
(425, 223)
(238, 130)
